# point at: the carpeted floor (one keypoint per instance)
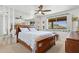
(58, 48)
(18, 48)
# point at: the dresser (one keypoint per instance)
(72, 43)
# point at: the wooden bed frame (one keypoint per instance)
(41, 46)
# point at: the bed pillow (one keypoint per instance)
(32, 29)
(24, 30)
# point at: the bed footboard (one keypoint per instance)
(44, 45)
(41, 46)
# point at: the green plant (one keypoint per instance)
(74, 18)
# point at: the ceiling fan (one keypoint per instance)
(40, 10)
(4, 12)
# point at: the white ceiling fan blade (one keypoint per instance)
(42, 13)
(36, 10)
(40, 7)
(46, 10)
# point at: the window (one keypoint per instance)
(58, 23)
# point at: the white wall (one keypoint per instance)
(40, 22)
(6, 18)
(3, 20)
(1, 24)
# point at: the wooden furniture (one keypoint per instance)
(41, 46)
(72, 43)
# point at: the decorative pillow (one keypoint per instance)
(24, 30)
(32, 29)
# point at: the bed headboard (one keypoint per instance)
(17, 27)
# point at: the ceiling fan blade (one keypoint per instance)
(37, 12)
(42, 13)
(40, 7)
(46, 10)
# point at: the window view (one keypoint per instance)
(60, 23)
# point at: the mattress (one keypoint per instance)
(31, 37)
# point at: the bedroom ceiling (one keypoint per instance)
(30, 9)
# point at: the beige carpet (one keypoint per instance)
(58, 48)
(18, 48)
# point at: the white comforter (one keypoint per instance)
(32, 36)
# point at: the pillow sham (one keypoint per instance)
(32, 29)
(24, 30)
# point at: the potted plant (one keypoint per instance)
(75, 23)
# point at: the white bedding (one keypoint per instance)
(32, 36)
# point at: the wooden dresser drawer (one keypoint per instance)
(71, 46)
